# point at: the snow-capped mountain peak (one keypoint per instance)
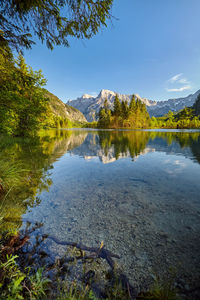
(87, 96)
(90, 105)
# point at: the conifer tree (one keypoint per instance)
(106, 105)
(132, 104)
(124, 108)
(52, 21)
(117, 107)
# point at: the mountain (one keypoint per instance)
(90, 105)
(196, 106)
(162, 107)
(60, 109)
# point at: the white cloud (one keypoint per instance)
(183, 81)
(175, 78)
(181, 89)
(178, 83)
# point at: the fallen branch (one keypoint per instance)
(95, 252)
(101, 253)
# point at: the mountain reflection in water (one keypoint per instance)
(138, 191)
(110, 146)
(38, 155)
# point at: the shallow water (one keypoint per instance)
(138, 191)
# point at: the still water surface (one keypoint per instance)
(138, 191)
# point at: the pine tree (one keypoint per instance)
(52, 21)
(132, 104)
(117, 107)
(124, 108)
(106, 105)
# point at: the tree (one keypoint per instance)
(52, 21)
(124, 108)
(185, 114)
(106, 105)
(117, 107)
(132, 104)
(104, 117)
(23, 105)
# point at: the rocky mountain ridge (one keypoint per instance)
(90, 105)
(63, 110)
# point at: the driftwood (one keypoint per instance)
(95, 252)
(100, 253)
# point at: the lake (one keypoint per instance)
(137, 191)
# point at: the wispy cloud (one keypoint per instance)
(178, 83)
(175, 78)
(181, 89)
(183, 81)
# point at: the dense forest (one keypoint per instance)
(134, 115)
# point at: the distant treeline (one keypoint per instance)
(135, 115)
(189, 117)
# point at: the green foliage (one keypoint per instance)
(161, 290)
(18, 285)
(125, 109)
(185, 118)
(23, 106)
(117, 107)
(10, 174)
(73, 291)
(11, 279)
(52, 22)
(93, 124)
(136, 116)
(59, 122)
(38, 285)
(123, 116)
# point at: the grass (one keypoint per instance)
(15, 284)
(10, 174)
(161, 290)
(31, 285)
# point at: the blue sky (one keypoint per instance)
(152, 49)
